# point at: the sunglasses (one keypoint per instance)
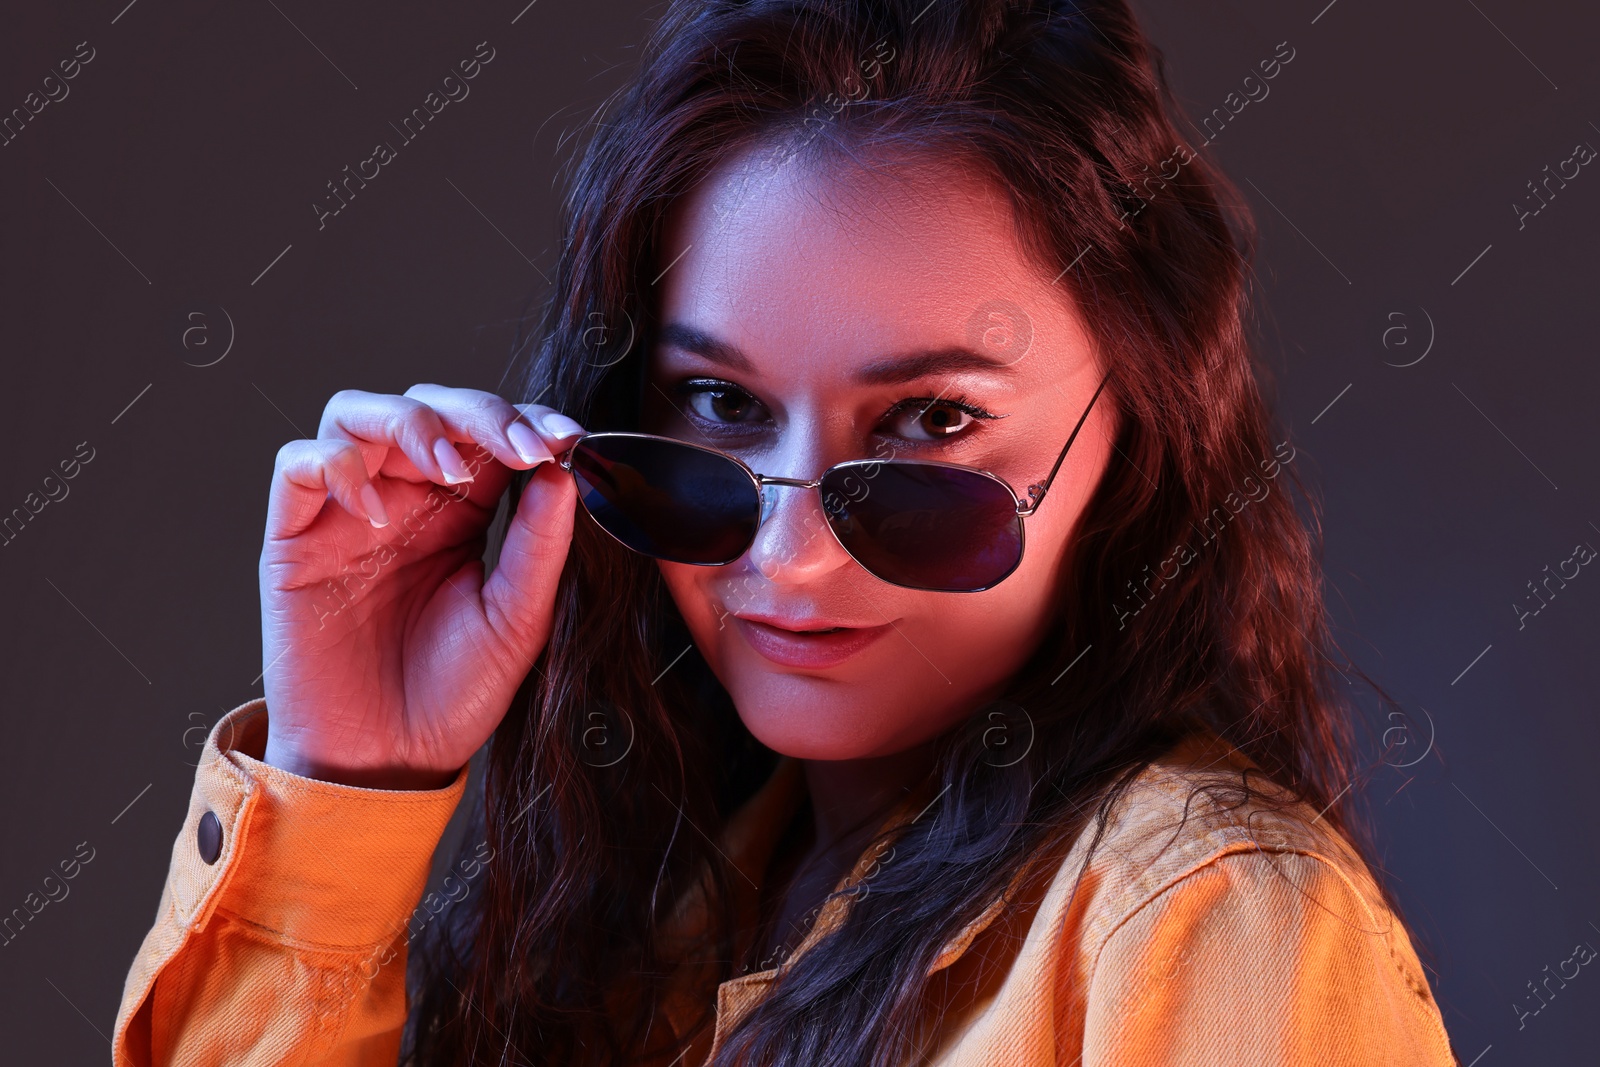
(914, 523)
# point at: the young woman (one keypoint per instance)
(900, 643)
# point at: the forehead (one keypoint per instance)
(813, 268)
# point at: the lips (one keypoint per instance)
(807, 644)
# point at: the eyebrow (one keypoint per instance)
(893, 370)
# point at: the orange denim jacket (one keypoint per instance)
(1245, 936)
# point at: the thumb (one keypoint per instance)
(519, 597)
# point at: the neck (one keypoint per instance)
(851, 798)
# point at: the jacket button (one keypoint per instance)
(210, 837)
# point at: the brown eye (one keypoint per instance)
(724, 404)
(924, 421)
(942, 419)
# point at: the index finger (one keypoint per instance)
(531, 432)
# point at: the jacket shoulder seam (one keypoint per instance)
(1239, 847)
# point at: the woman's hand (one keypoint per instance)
(390, 659)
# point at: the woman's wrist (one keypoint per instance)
(365, 776)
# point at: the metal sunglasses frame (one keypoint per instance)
(1024, 506)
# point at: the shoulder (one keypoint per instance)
(1207, 914)
(1203, 804)
(1202, 829)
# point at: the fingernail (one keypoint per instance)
(374, 505)
(455, 472)
(558, 425)
(527, 443)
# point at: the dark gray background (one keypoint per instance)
(1383, 164)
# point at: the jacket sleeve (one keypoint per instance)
(1262, 958)
(290, 947)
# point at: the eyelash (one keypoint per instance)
(959, 401)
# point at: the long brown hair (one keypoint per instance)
(1192, 600)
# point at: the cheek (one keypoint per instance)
(981, 640)
(704, 608)
(691, 594)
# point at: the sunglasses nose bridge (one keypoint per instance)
(769, 501)
(798, 483)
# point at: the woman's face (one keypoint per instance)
(801, 312)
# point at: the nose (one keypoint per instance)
(793, 544)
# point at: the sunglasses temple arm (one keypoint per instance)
(1037, 491)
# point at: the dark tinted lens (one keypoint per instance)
(668, 500)
(926, 526)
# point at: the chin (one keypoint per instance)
(813, 718)
(875, 710)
